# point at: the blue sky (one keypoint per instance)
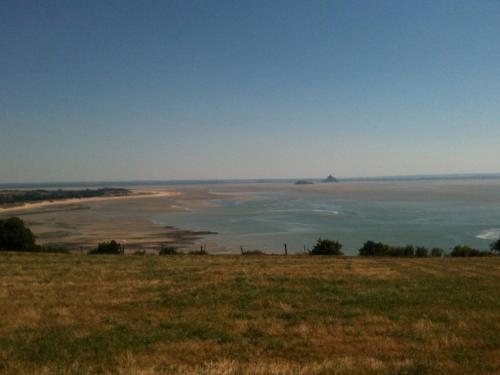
(104, 90)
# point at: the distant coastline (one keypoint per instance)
(23, 206)
(14, 197)
(159, 183)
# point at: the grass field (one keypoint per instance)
(79, 314)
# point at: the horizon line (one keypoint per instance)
(490, 175)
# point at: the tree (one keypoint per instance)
(368, 249)
(15, 236)
(437, 252)
(467, 251)
(168, 250)
(495, 246)
(371, 248)
(111, 247)
(327, 247)
(407, 251)
(421, 252)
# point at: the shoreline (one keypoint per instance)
(49, 203)
(81, 223)
(392, 213)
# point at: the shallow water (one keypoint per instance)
(430, 213)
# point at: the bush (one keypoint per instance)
(327, 247)
(111, 247)
(198, 252)
(371, 248)
(168, 250)
(406, 251)
(437, 252)
(202, 251)
(422, 252)
(495, 246)
(15, 236)
(253, 252)
(466, 251)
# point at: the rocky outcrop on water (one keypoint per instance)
(330, 179)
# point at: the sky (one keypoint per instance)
(131, 90)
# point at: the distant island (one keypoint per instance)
(304, 182)
(330, 179)
(13, 197)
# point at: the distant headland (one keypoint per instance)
(304, 182)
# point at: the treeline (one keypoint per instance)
(379, 249)
(371, 248)
(23, 196)
(116, 248)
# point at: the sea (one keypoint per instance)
(432, 211)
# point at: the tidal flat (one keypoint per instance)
(264, 216)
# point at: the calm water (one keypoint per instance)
(430, 213)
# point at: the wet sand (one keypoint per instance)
(80, 224)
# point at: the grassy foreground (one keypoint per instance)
(77, 314)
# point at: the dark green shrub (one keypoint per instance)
(437, 252)
(198, 252)
(111, 247)
(15, 236)
(401, 251)
(495, 246)
(371, 248)
(168, 250)
(327, 247)
(466, 251)
(461, 251)
(202, 251)
(253, 252)
(421, 252)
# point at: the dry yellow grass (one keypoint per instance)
(80, 314)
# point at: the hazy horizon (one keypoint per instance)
(388, 178)
(196, 90)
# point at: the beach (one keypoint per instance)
(72, 201)
(80, 224)
(226, 216)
